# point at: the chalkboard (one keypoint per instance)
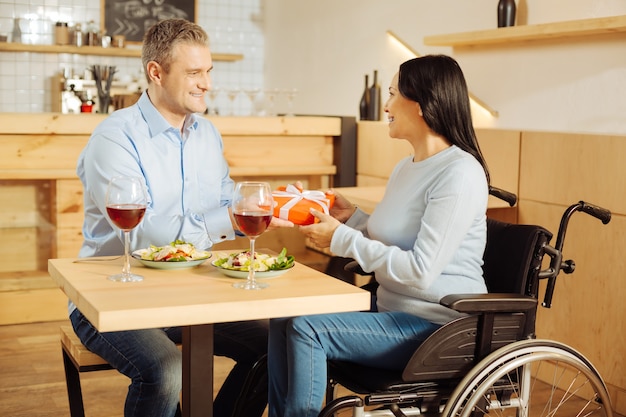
(132, 18)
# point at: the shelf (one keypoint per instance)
(546, 31)
(95, 50)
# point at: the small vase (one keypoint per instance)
(374, 108)
(16, 35)
(506, 13)
(364, 104)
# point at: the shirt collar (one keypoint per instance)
(156, 122)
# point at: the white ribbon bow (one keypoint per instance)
(296, 195)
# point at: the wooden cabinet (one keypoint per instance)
(42, 198)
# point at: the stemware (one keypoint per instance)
(126, 202)
(252, 93)
(252, 208)
(212, 108)
(271, 101)
(291, 95)
(232, 95)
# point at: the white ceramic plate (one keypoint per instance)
(231, 273)
(170, 265)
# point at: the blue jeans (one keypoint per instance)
(152, 361)
(299, 348)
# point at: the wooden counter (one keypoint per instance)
(42, 208)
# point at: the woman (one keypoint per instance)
(424, 240)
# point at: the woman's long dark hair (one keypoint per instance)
(437, 83)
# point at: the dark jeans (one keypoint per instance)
(152, 361)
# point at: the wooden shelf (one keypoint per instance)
(546, 31)
(95, 50)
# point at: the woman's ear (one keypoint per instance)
(419, 109)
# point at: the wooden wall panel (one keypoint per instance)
(377, 153)
(260, 151)
(501, 149)
(69, 203)
(558, 170)
(40, 151)
(30, 306)
(564, 167)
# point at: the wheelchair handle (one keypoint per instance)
(503, 195)
(556, 253)
(599, 213)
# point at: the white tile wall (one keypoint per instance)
(25, 77)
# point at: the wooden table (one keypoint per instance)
(196, 298)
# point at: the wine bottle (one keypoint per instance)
(506, 13)
(374, 107)
(365, 100)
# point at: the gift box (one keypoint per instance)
(294, 204)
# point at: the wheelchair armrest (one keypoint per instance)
(489, 303)
(354, 267)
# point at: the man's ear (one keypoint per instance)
(154, 71)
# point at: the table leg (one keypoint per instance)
(197, 396)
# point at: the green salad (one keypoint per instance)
(240, 261)
(177, 251)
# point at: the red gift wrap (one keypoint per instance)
(294, 204)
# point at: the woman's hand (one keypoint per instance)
(342, 209)
(321, 234)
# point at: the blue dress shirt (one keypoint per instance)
(185, 174)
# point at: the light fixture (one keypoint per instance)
(399, 41)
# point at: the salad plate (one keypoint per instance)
(232, 273)
(171, 264)
(176, 255)
(236, 265)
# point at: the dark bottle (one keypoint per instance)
(506, 13)
(365, 100)
(374, 107)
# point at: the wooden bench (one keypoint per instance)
(76, 359)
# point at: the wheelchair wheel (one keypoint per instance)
(531, 378)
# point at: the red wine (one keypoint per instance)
(253, 223)
(126, 216)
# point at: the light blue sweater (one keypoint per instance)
(426, 238)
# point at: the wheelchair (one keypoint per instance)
(489, 362)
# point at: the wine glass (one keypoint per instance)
(271, 101)
(252, 207)
(213, 93)
(126, 202)
(291, 95)
(252, 94)
(232, 95)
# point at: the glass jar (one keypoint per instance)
(61, 33)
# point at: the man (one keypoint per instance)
(179, 156)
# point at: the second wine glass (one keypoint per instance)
(252, 208)
(126, 202)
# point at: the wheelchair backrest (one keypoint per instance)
(513, 257)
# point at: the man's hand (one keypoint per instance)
(278, 223)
